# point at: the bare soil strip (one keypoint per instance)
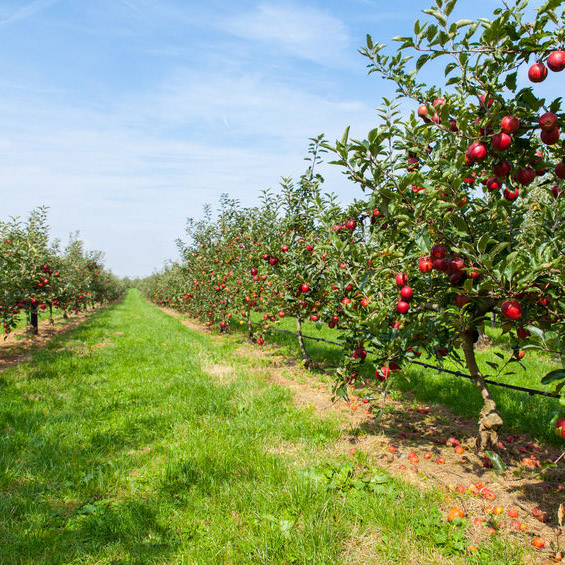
(16, 347)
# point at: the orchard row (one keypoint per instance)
(37, 277)
(459, 217)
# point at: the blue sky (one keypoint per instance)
(126, 116)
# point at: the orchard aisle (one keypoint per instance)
(133, 438)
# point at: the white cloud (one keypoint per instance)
(26, 11)
(251, 104)
(304, 32)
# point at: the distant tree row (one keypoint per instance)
(39, 277)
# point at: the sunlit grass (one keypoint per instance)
(133, 439)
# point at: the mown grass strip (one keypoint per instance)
(135, 439)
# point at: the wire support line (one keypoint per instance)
(530, 391)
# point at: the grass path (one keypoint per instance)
(134, 439)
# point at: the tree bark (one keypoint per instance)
(249, 326)
(33, 321)
(489, 418)
(305, 357)
(484, 340)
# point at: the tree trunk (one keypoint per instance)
(51, 320)
(489, 419)
(305, 357)
(249, 326)
(33, 320)
(483, 340)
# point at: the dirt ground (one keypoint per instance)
(16, 347)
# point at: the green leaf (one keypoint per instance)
(497, 463)
(463, 23)
(498, 249)
(449, 7)
(510, 81)
(449, 68)
(437, 15)
(536, 331)
(483, 242)
(557, 375)
(422, 60)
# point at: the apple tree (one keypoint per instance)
(465, 181)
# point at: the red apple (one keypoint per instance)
(494, 183)
(510, 124)
(351, 224)
(523, 333)
(555, 190)
(560, 169)
(501, 141)
(304, 288)
(461, 300)
(438, 251)
(423, 112)
(511, 309)
(425, 264)
(383, 374)
(455, 265)
(560, 427)
(406, 292)
(477, 152)
(537, 72)
(548, 121)
(401, 279)
(556, 61)
(483, 99)
(550, 136)
(457, 278)
(502, 169)
(402, 307)
(525, 176)
(511, 195)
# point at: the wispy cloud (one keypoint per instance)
(250, 104)
(304, 32)
(26, 11)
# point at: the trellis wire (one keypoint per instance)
(530, 391)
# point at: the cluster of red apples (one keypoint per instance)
(510, 126)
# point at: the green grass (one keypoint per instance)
(133, 439)
(520, 411)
